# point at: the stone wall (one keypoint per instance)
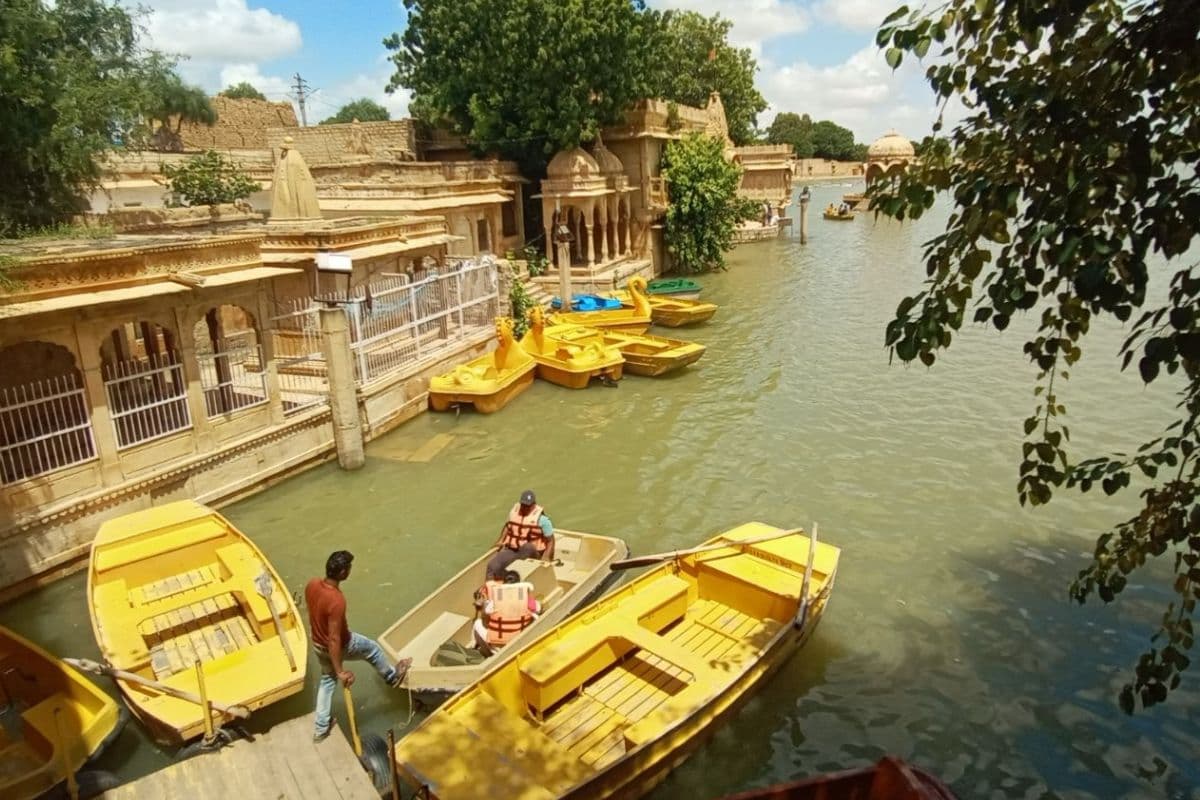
(240, 124)
(350, 142)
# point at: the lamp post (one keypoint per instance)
(563, 238)
(804, 196)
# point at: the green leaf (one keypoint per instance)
(893, 56)
(921, 47)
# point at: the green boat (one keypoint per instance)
(678, 288)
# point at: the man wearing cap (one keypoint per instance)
(528, 533)
(335, 643)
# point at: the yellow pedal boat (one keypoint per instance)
(644, 354)
(580, 571)
(673, 312)
(613, 698)
(834, 214)
(61, 719)
(635, 317)
(573, 363)
(489, 382)
(175, 585)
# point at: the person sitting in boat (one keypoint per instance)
(528, 533)
(844, 209)
(502, 610)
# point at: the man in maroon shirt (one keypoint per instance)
(335, 643)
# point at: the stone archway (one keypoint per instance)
(229, 359)
(144, 382)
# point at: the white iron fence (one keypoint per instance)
(299, 358)
(232, 379)
(44, 426)
(147, 398)
(407, 322)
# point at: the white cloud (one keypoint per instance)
(273, 86)
(328, 100)
(855, 14)
(220, 31)
(862, 94)
(754, 21)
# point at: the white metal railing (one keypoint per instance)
(405, 324)
(299, 357)
(44, 426)
(147, 398)
(232, 379)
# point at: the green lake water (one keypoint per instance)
(949, 640)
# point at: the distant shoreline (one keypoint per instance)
(827, 179)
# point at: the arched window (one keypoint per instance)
(230, 360)
(44, 424)
(144, 383)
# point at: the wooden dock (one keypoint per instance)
(282, 764)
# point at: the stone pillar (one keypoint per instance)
(564, 275)
(804, 218)
(266, 348)
(201, 428)
(604, 231)
(588, 221)
(103, 434)
(343, 398)
(628, 226)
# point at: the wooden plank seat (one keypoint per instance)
(436, 634)
(564, 666)
(243, 567)
(173, 585)
(120, 555)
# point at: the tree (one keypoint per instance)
(168, 103)
(831, 140)
(243, 91)
(793, 129)
(694, 59)
(70, 83)
(1075, 165)
(704, 207)
(209, 179)
(538, 77)
(363, 110)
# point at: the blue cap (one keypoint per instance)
(527, 497)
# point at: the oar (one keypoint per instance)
(642, 561)
(265, 586)
(349, 698)
(87, 665)
(802, 613)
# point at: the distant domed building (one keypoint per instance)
(888, 156)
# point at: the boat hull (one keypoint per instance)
(175, 584)
(673, 312)
(582, 575)
(485, 402)
(651, 356)
(889, 779)
(577, 379)
(65, 717)
(839, 217)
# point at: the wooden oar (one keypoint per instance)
(349, 698)
(643, 561)
(265, 586)
(87, 665)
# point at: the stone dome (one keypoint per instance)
(607, 159)
(891, 145)
(574, 163)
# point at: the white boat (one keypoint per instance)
(440, 628)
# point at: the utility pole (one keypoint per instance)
(302, 90)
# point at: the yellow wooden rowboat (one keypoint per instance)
(62, 719)
(176, 584)
(673, 312)
(607, 703)
(580, 571)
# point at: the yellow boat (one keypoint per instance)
(611, 700)
(574, 363)
(488, 382)
(645, 354)
(635, 317)
(579, 572)
(59, 719)
(833, 213)
(178, 584)
(673, 312)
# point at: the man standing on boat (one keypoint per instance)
(335, 643)
(528, 533)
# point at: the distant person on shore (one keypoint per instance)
(528, 533)
(335, 643)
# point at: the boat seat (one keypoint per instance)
(121, 641)
(752, 585)
(193, 533)
(567, 664)
(436, 633)
(244, 566)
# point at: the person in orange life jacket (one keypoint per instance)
(528, 533)
(502, 610)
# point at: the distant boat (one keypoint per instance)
(54, 719)
(890, 779)
(177, 584)
(587, 302)
(678, 288)
(608, 702)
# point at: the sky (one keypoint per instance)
(814, 56)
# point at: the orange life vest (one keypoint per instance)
(510, 611)
(519, 530)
